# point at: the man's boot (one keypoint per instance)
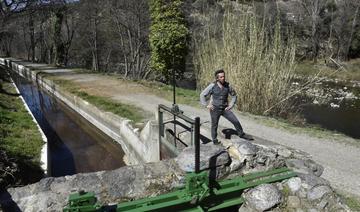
(216, 142)
(246, 136)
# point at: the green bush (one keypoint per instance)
(168, 35)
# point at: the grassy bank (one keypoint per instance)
(183, 96)
(351, 201)
(19, 136)
(124, 110)
(350, 70)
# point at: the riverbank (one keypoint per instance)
(329, 96)
(348, 71)
(21, 142)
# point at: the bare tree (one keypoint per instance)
(31, 33)
(345, 23)
(7, 10)
(92, 18)
(313, 10)
(6, 39)
(44, 43)
(69, 28)
(352, 30)
(131, 21)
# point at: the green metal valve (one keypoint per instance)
(82, 202)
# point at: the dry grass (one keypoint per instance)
(258, 65)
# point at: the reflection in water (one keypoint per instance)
(75, 145)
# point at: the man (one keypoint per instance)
(219, 106)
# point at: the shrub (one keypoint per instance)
(168, 35)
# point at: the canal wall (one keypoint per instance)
(44, 149)
(139, 147)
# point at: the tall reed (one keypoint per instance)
(258, 64)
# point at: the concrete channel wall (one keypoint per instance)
(44, 149)
(138, 147)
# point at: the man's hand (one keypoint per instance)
(228, 108)
(210, 107)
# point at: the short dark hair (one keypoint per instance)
(218, 72)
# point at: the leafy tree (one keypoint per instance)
(168, 35)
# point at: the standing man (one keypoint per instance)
(219, 106)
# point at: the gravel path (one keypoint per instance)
(341, 160)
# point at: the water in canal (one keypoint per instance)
(74, 144)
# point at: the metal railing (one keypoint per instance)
(195, 129)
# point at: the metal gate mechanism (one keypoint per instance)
(200, 193)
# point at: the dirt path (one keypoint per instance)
(341, 160)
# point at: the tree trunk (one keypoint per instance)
(314, 34)
(59, 45)
(42, 43)
(8, 47)
(32, 37)
(70, 34)
(95, 65)
(352, 32)
(25, 42)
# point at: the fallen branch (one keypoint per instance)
(337, 64)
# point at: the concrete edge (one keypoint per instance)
(44, 149)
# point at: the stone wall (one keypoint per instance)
(306, 192)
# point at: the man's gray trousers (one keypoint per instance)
(215, 116)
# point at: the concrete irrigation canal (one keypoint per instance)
(74, 144)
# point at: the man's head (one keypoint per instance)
(220, 75)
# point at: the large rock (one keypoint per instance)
(211, 156)
(245, 148)
(293, 202)
(284, 152)
(51, 194)
(263, 197)
(317, 192)
(305, 166)
(294, 184)
(309, 181)
(246, 208)
(236, 165)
